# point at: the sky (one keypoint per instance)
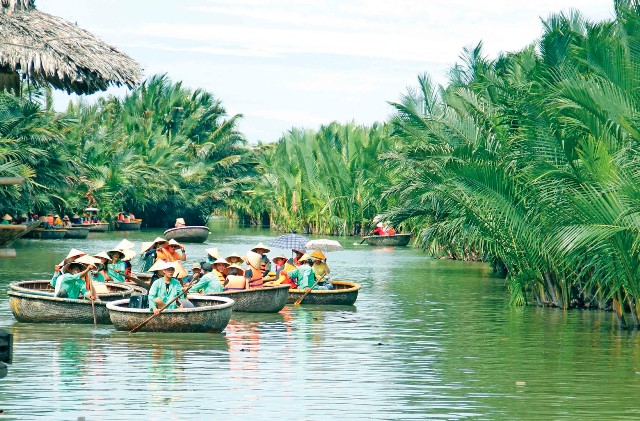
(303, 63)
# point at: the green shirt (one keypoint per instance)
(73, 284)
(304, 275)
(4, 222)
(116, 277)
(98, 278)
(166, 292)
(208, 284)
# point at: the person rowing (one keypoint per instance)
(321, 270)
(72, 283)
(164, 290)
(208, 283)
(303, 274)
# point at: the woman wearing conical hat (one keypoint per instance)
(6, 219)
(117, 267)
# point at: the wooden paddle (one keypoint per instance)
(93, 304)
(141, 325)
(297, 303)
(139, 282)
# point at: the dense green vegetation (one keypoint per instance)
(530, 161)
(162, 151)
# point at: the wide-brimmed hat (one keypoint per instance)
(213, 252)
(318, 254)
(254, 259)
(125, 245)
(69, 264)
(7, 217)
(305, 258)
(173, 242)
(196, 266)
(128, 254)
(87, 260)
(220, 262)
(112, 252)
(102, 255)
(261, 246)
(73, 254)
(180, 221)
(234, 255)
(66, 218)
(280, 256)
(159, 265)
(237, 267)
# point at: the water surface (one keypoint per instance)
(426, 339)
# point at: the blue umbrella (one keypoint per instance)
(290, 241)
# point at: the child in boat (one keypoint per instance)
(71, 283)
(164, 290)
(116, 269)
(209, 283)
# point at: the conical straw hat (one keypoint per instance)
(261, 246)
(74, 253)
(103, 255)
(87, 260)
(213, 252)
(125, 245)
(254, 259)
(159, 265)
(129, 254)
(234, 255)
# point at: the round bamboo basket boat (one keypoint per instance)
(129, 226)
(46, 234)
(76, 232)
(210, 314)
(116, 291)
(99, 227)
(268, 299)
(343, 293)
(188, 234)
(33, 308)
(398, 240)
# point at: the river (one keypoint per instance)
(426, 339)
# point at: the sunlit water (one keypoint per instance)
(426, 339)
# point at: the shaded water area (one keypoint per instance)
(426, 339)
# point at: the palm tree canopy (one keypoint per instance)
(52, 50)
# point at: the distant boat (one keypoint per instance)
(9, 233)
(188, 234)
(77, 232)
(129, 226)
(94, 226)
(398, 240)
(47, 233)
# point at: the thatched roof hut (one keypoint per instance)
(49, 49)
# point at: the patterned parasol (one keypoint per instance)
(290, 241)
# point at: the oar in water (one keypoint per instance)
(297, 303)
(141, 325)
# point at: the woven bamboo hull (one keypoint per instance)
(99, 227)
(128, 226)
(46, 234)
(30, 308)
(211, 314)
(270, 299)
(192, 234)
(117, 291)
(398, 240)
(74, 232)
(344, 293)
(9, 233)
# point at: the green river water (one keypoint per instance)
(425, 339)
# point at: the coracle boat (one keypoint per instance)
(47, 234)
(129, 226)
(398, 240)
(209, 314)
(76, 232)
(268, 299)
(106, 291)
(188, 234)
(39, 306)
(9, 233)
(94, 226)
(343, 293)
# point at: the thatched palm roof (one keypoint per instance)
(50, 49)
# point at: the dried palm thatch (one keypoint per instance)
(49, 49)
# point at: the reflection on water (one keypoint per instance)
(425, 339)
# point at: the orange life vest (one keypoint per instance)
(235, 283)
(256, 280)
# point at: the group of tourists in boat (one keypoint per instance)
(75, 275)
